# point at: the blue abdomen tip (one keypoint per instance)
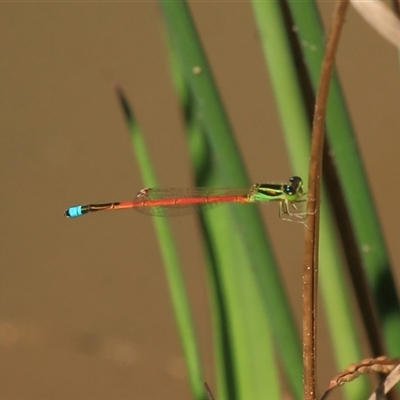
(72, 212)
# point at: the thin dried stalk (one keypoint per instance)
(208, 391)
(382, 364)
(310, 268)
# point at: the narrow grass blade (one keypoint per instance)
(179, 298)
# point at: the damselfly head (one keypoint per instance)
(294, 189)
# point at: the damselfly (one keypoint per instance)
(168, 202)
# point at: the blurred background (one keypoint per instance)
(84, 306)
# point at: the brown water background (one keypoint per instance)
(84, 306)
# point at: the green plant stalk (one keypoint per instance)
(175, 280)
(296, 126)
(229, 169)
(347, 159)
(240, 326)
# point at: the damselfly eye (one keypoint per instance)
(296, 181)
(288, 190)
